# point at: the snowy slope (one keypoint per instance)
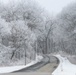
(65, 67)
(16, 68)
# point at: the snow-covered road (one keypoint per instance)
(65, 67)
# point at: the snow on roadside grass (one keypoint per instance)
(16, 68)
(65, 67)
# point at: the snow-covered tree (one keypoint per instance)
(22, 39)
(65, 29)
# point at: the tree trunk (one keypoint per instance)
(46, 45)
(25, 56)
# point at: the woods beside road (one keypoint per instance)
(27, 30)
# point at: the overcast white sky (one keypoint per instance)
(54, 6)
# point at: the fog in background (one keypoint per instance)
(54, 6)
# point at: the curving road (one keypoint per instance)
(40, 66)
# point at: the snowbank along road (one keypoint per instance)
(17, 68)
(65, 67)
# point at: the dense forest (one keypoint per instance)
(27, 30)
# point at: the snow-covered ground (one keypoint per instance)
(65, 67)
(16, 68)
